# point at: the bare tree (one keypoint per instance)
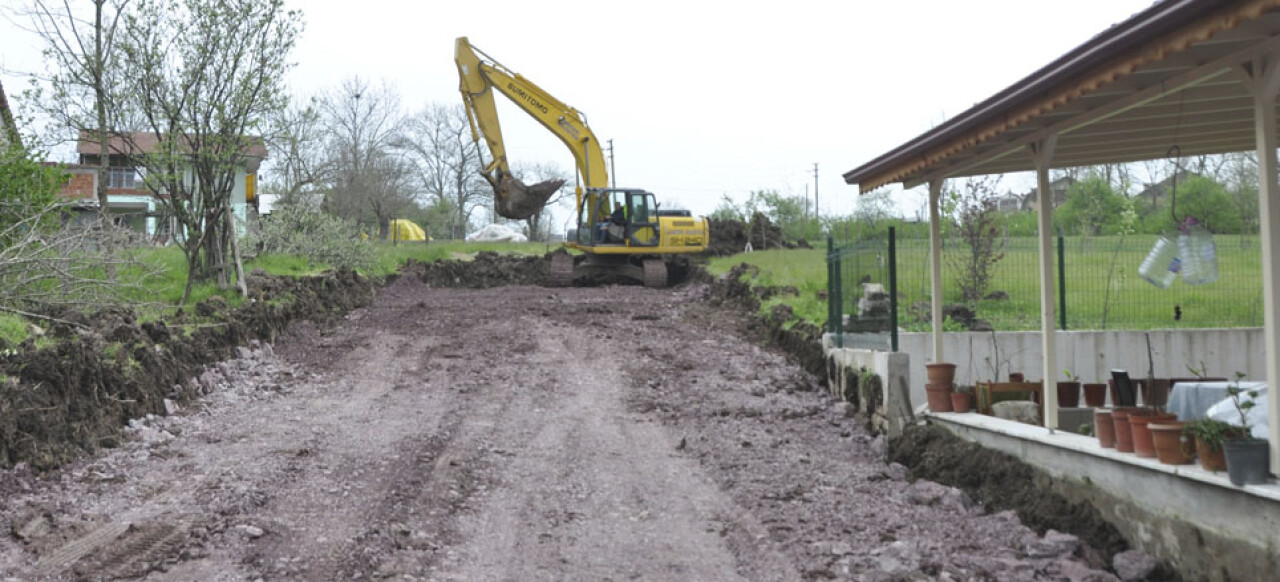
(367, 176)
(296, 140)
(9, 136)
(203, 75)
(84, 78)
(448, 162)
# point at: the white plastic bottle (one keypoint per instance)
(1200, 257)
(1161, 266)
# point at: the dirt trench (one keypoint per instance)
(445, 431)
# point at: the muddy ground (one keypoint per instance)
(513, 432)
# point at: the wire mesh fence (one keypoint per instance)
(1097, 285)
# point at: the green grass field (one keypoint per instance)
(1103, 288)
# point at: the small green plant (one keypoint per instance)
(1200, 372)
(1085, 429)
(1070, 377)
(1242, 406)
(964, 389)
(1211, 432)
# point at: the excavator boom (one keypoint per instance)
(480, 79)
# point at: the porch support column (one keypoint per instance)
(1263, 80)
(935, 264)
(1042, 155)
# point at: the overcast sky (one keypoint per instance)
(700, 98)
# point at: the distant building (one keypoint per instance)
(129, 201)
(1057, 189)
(1153, 194)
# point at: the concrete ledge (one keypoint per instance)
(1195, 519)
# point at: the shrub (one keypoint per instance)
(322, 238)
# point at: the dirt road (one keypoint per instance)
(513, 433)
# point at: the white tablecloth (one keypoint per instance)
(1196, 400)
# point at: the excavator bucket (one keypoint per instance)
(514, 200)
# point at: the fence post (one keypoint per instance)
(893, 288)
(831, 287)
(1062, 284)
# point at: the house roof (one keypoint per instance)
(1169, 75)
(142, 142)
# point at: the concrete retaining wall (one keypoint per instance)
(875, 382)
(1089, 354)
(1197, 521)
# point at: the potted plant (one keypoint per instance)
(1248, 458)
(1172, 444)
(1210, 434)
(1095, 394)
(1069, 391)
(962, 398)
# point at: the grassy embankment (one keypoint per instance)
(158, 295)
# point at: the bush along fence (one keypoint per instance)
(883, 279)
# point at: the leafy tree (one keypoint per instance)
(1091, 208)
(976, 223)
(27, 189)
(298, 167)
(203, 77)
(727, 210)
(1209, 202)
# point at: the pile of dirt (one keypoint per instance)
(488, 269)
(104, 369)
(730, 237)
(999, 482)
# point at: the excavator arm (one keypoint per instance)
(481, 77)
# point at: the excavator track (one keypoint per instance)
(655, 273)
(561, 270)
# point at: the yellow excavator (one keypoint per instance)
(620, 231)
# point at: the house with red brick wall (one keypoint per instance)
(128, 199)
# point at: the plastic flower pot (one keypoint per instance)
(1173, 446)
(1068, 394)
(1248, 461)
(1095, 395)
(1105, 428)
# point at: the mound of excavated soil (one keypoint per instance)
(802, 341)
(729, 237)
(105, 369)
(1000, 482)
(486, 270)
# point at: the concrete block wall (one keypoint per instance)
(884, 399)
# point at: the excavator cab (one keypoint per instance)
(639, 229)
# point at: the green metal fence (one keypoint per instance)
(1098, 286)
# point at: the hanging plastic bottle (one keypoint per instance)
(1199, 256)
(1161, 266)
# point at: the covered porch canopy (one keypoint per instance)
(1199, 74)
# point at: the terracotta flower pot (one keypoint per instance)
(1140, 425)
(1105, 428)
(1095, 395)
(939, 397)
(961, 401)
(1124, 434)
(1173, 446)
(941, 374)
(1017, 377)
(1211, 458)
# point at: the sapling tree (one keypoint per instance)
(976, 217)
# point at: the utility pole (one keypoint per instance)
(613, 173)
(817, 210)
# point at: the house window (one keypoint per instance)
(122, 178)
